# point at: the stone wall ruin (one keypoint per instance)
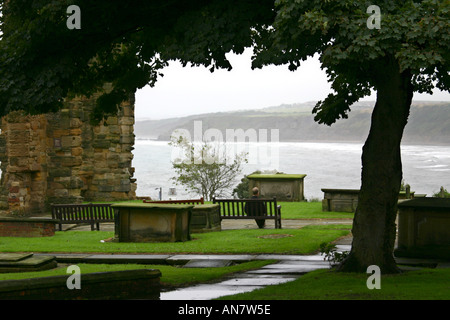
(64, 158)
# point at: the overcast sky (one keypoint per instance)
(187, 91)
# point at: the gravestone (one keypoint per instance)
(340, 200)
(424, 228)
(346, 200)
(147, 222)
(205, 218)
(285, 187)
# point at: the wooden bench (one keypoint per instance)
(189, 201)
(92, 214)
(235, 209)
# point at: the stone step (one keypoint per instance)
(26, 262)
(14, 257)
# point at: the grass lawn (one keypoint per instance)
(310, 210)
(255, 241)
(171, 276)
(296, 241)
(425, 284)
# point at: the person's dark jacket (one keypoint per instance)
(255, 208)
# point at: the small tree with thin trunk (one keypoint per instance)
(205, 168)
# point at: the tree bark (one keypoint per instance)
(374, 228)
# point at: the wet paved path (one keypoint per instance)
(289, 267)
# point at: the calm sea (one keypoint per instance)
(327, 165)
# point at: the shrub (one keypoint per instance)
(443, 192)
(331, 253)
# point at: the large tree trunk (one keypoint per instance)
(374, 228)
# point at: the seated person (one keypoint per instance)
(256, 208)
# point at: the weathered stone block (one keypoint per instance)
(124, 164)
(58, 133)
(27, 227)
(55, 185)
(75, 123)
(119, 195)
(77, 151)
(18, 150)
(20, 161)
(113, 157)
(76, 183)
(112, 120)
(126, 129)
(77, 111)
(114, 129)
(75, 193)
(70, 141)
(101, 144)
(16, 169)
(71, 161)
(105, 188)
(17, 126)
(122, 188)
(60, 172)
(126, 121)
(125, 182)
(127, 111)
(75, 132)
(61, 192)
(127, 139)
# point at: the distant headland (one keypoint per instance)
(429, 123)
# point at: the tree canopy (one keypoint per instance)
(125, 43)
(414, 34)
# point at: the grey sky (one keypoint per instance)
(187, 91)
